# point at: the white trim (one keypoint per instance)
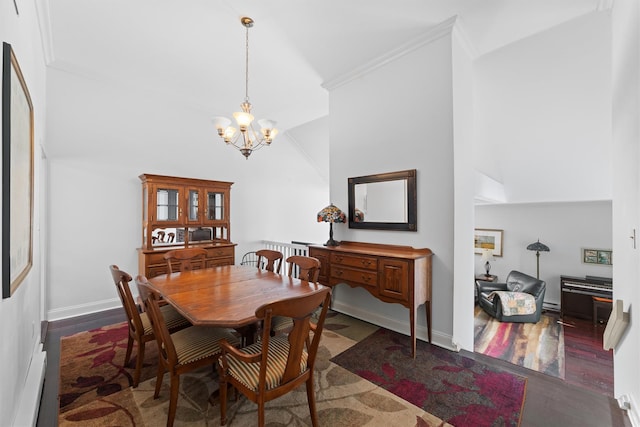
(29, 405)
(464, 39)
(46, 37)
(626, 402)
(82, 309)
(441, 30)
(439, 339)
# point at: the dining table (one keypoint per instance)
(227, 296)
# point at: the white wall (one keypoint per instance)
(546, 101)
(95, 193)
(20, 315)
(391, 117)
(565, 228)
(626, 206)
(464, 177)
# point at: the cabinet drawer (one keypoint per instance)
(354, 276)
(358, 261)
(157, 270)
(220, 252)
(156, 258)
(219, 261)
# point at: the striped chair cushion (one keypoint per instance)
(197, 342)
(281, 323)
(247, 373)
(172, 319)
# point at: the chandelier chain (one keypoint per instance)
(246, 74)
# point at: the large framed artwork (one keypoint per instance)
(17, 174)
(485, 238)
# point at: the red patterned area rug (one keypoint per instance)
(537, 346)
(458, 390)
(342, 397)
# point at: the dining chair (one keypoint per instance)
(276, 365)
(306, 267)
(273, 260)
(181, 351)
(250, 258)
(188, 258)
(140, 330)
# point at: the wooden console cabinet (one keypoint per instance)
(184, 212)
(393, 274)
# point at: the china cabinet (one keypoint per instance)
(184, 212)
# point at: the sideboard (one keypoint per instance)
(391, 273)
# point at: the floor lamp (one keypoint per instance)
(538, 247)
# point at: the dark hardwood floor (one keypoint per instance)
(549, 401)
(587, 364)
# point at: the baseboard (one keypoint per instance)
(27, 414)
(551, 306)
(627, 403)
(439, 339)
(82, 309)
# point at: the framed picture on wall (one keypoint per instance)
(486, 238)
(17, 174)
(597, 256)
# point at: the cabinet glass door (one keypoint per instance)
(215, 206)
(167, 204)
(193, 206)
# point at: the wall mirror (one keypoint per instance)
(385, 201)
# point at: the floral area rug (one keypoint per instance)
(342, 399)
(92, 365)
(458, 390)
(537, 346)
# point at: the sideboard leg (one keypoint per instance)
(412, 322)
(427, 307)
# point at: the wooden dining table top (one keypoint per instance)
(226, 296)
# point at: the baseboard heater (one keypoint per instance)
(616, 326)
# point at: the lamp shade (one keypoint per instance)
(331, 214)
(487, 255)
(538, 247)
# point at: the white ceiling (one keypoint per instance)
(193, 50)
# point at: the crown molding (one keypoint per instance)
(604, 5)
(441, 30)
(464, 39)
(44, 23)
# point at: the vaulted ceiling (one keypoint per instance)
(193, 51)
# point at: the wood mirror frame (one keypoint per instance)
(409, 203)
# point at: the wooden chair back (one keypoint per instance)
(188, 258)
(306, 267)
(300, 310)
(272, 260)
(166, 349)
(121, 280)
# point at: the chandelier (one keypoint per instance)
(248, 139)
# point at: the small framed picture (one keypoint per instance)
(597, 256)
(485, 238)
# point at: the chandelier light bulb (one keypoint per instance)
(243, 119)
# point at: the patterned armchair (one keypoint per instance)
(494, 303)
